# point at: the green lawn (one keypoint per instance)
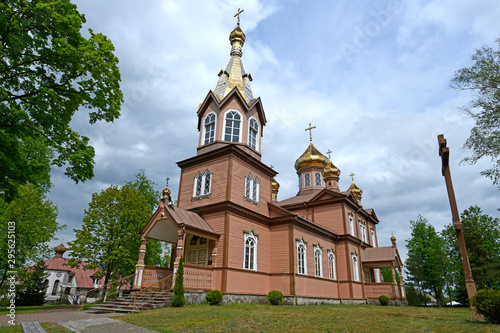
(48, 327)
(29, 309)
(321, 318)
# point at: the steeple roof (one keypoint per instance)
(234, 75)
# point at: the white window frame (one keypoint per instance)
(252, 189)
(240, 135)
(362, 232)
(212, 138)
(255, 131)
(301, 266)
(318, 261)
(207, 175)
(332, 273)
(317, 176)
(374, 242)
(355, 267)
(307, 177)
(351, 225)
(250, 237)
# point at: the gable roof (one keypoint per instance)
(384, 256)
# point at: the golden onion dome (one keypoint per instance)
(393, 239)
(275, 184)
(331, 170)
(237, 35)
(311, 157)
(165, 193)
(355, 190)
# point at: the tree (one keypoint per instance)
(32, 286)
(426, 258)
(32, 218)
(482, 240)
(48, 70)
(146, 187)
(109, 238)
(387, 275)
(178, 299)
(483, 78)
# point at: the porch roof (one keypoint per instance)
(188, 218)
(380, 255)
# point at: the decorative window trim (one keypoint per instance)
(203, 139)
(301, 257)
(252, 190)
(250, 236)
(202, 182)
(318, 261)
(355, 267)
(253, 130)
(240, 126)
(362, 232)
(332, 273)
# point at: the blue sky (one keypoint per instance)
(372, 76)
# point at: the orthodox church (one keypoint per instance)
(234, 233)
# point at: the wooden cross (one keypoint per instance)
(310, 131)
(352, 176)
(329, 152)
(238, 14)
(168, 178)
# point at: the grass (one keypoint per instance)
(49, 327)
(29, 309)
(320, 318)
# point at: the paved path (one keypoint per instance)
(78, 321)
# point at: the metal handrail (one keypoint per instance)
(84, 295)
(161, 285)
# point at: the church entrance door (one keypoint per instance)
(197, 250)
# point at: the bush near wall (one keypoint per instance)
(275, 297)
(487, 303)
(384, 300)
(214, 297)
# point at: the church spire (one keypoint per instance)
(234, 75)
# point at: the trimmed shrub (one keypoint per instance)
(214, 297)
(487, 303)
(384, 300)
(275, 297)
(178, 299)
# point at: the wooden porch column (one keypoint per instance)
(139, 268)
(401, 284)
(179, 250)
(214, 253)
(394, 283)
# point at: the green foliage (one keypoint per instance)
(387, 275)
(384, 300)
(487, 303)
(214, 297)
(109, 237)
(426, 258)
(275, 297)
(35, 220)
(482, 79)
(47, 72)
(32, 286)
(178, 299)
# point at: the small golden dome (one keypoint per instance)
(237, 35)
(275, 184)
(331, 170)
(311, 157)
(393, 239)
(165, 193)
(355, 190)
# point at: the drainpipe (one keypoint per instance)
(337, 272)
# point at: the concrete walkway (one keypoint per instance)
(78, 321)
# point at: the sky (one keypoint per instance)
(372, 76)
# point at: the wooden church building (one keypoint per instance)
(236, 236)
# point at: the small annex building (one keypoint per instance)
(234, 233)
(64, 281)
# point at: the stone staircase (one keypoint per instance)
(144, 301)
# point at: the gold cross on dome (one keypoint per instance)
(310, 131)
(168, 178)
(238, 14)
(352, 176)
(329, 152)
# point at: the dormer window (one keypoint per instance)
(253, 133)
(232, 126)
(209, 128)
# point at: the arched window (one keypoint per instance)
(252, 188)
(307, 180)
(362, 232)
(331, 265)
(318, 258)
(202, 184)
(55, 288)
(250, 260)
(317, 179)
(355, 267)
(209, 127)
(301, 257)
(253, 134)
(232, 127)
